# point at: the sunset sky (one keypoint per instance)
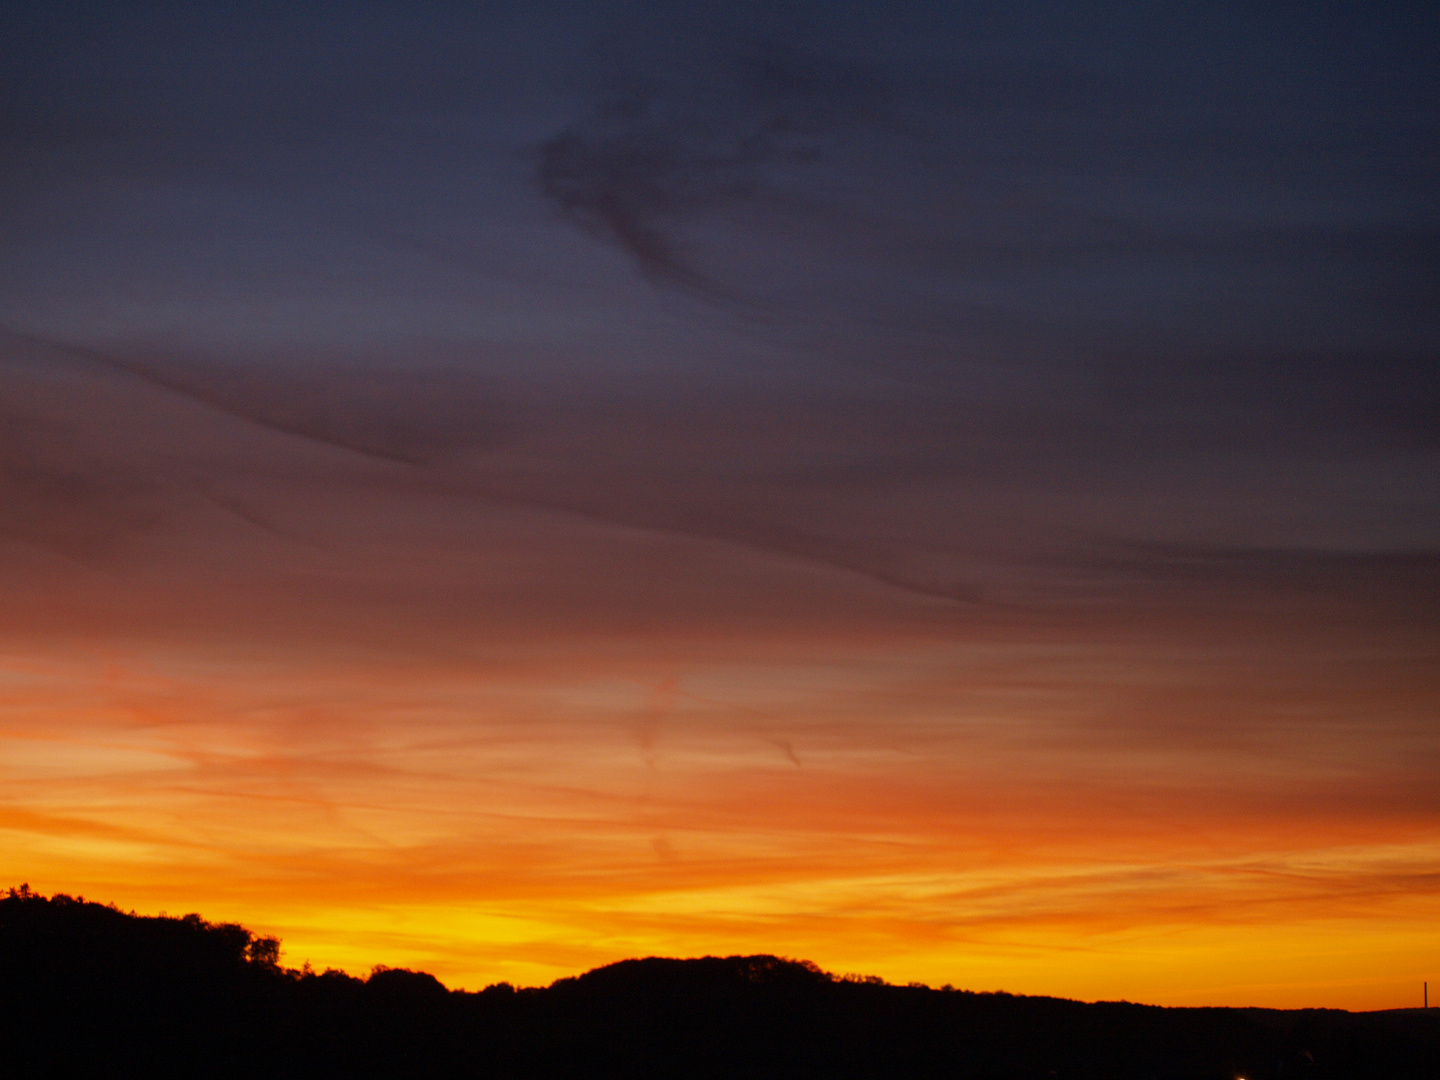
(947, 491)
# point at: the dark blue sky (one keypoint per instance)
(1184, 261)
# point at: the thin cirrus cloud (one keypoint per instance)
(653, 154)
(945, 496)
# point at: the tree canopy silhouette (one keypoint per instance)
(88, 989)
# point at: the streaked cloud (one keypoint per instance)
(934, 492)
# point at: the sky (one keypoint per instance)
(947, 491)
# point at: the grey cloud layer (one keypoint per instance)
(1006, 285)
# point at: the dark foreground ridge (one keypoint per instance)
(86, 989)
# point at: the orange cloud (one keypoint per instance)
(393, 718)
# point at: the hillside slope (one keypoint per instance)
(87, 989)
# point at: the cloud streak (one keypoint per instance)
(655, 154)
(1017, 568)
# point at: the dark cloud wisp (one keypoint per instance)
(656, 153)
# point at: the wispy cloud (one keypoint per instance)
(657, 153)
(1024, 549)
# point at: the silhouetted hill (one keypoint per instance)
(88, 990)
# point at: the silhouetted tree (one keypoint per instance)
(86, 989)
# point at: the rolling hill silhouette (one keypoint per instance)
(86, 989)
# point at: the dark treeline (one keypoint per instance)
(86, 989)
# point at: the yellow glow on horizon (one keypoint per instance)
(1082, 809)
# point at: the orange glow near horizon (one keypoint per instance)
(401, 722)
(979, 812)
